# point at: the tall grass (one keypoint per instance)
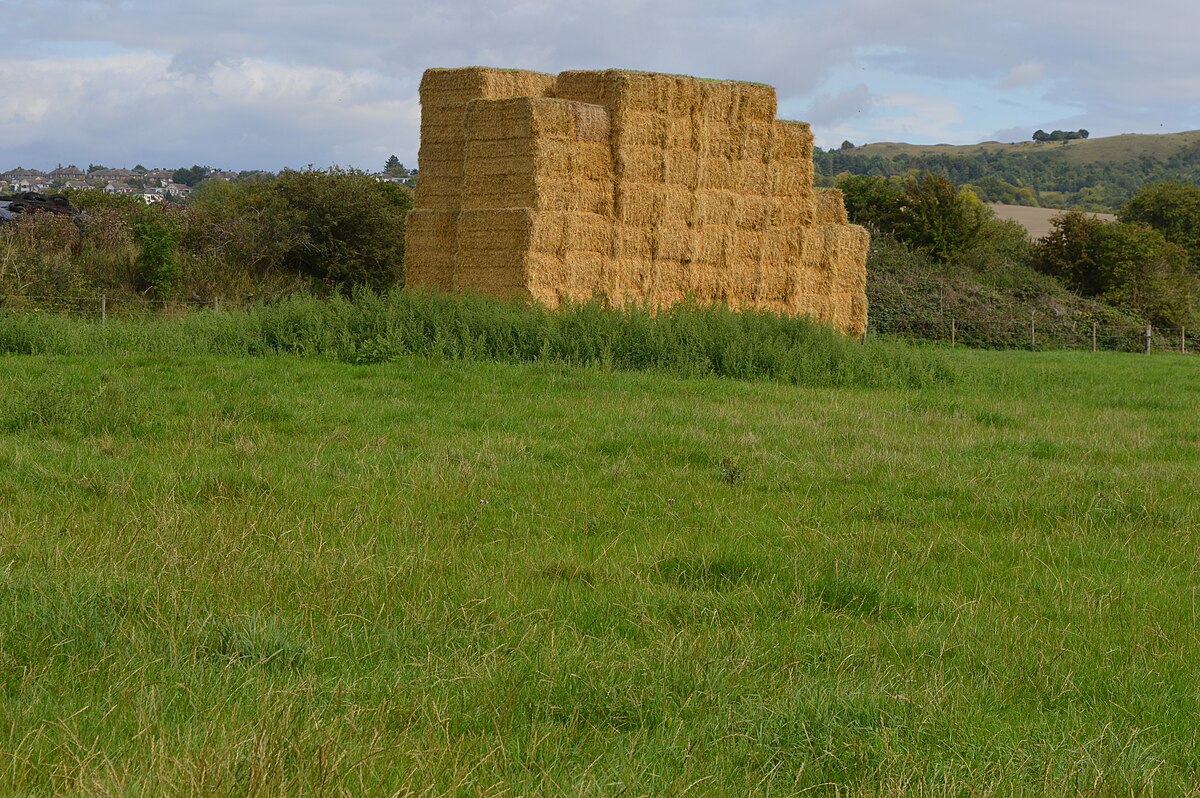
(687, 339)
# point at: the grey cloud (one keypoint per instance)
(830, 109)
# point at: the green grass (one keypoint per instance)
(283, 575)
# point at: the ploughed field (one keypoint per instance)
(279, 575)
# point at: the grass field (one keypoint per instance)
(1037, 221)
(283, 576)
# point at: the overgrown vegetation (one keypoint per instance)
(686, 340)
(240, 240)
(940, 255)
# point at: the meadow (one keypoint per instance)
(280, 572)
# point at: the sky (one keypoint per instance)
(269, 84)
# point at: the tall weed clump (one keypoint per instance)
(368, 327)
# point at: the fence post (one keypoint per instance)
(1093, 336)
(1032, 332)
(103, 308)
(1182, 340)
(953, 331)
(1149, 333)
(216, 303)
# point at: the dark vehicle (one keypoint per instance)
(32, 202)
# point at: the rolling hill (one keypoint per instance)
(1097, 174)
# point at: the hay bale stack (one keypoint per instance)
(445, 94)
(630, 185)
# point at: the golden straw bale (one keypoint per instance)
(681, 167)
(431, 241)
(751, 177)
(748, 243)
(632, 241)
(788, 212)
(756, 139)
(717, 99)
(681, 133)
(792, 140)
(589, 232)
(831, 208)
(756, 102)
(714, 243)
(716, 207)
(673, 242)
(641, 129)
(577, 194)
(716, 173)
(640, 164)
(752, 211)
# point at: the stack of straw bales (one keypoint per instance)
(634, 186)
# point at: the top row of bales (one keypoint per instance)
(634, 186)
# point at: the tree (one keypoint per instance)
(871, 201)
(937, 218)
(1127, 264)
(1041, 135)
(192, 176)
(847, 145)
(1173, 209)
(1071, 252)
(394, 168)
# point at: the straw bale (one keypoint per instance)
(714, 243)
(757, 102)
(673, 241)
(789, 212)
(831, 209)
(716, 207)
(563, 232)
(716, 173)
(718, 140)
(431, 241)
(447, 86)
(632, 241)
(681, 167)
(752, 211)
(666, 202)
(717, 100)
(752, 177)
(641, 129)
(789, 179)
(748, 243)
(640, 164)
(577, 194)
(757, 140)
(681, 133)
(793, 140)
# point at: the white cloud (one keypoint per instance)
(1026, 73)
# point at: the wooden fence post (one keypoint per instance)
(103, 308)
(953, 331)
(1093, 336)
(1032, 332)
(1149, 334)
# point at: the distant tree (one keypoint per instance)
(1173, 209)
(1041, 135)
(394, 168)
(871, 201)
(847, 145)
(94, 167)
(140, 168)
(1126, 264)
(937, 218)
(191, 176)
(1083, 133)
(1071, 252)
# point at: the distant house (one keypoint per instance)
(221, 174)
(65, 173)
(30, 183)
(150, 197)
(158, 177)
(109, 175)
(118, 187)
(77, 185)
(177, 189)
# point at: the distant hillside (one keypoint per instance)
(1095, 174)
(1036, 221)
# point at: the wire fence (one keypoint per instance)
(103, 306)
(1037, 332)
